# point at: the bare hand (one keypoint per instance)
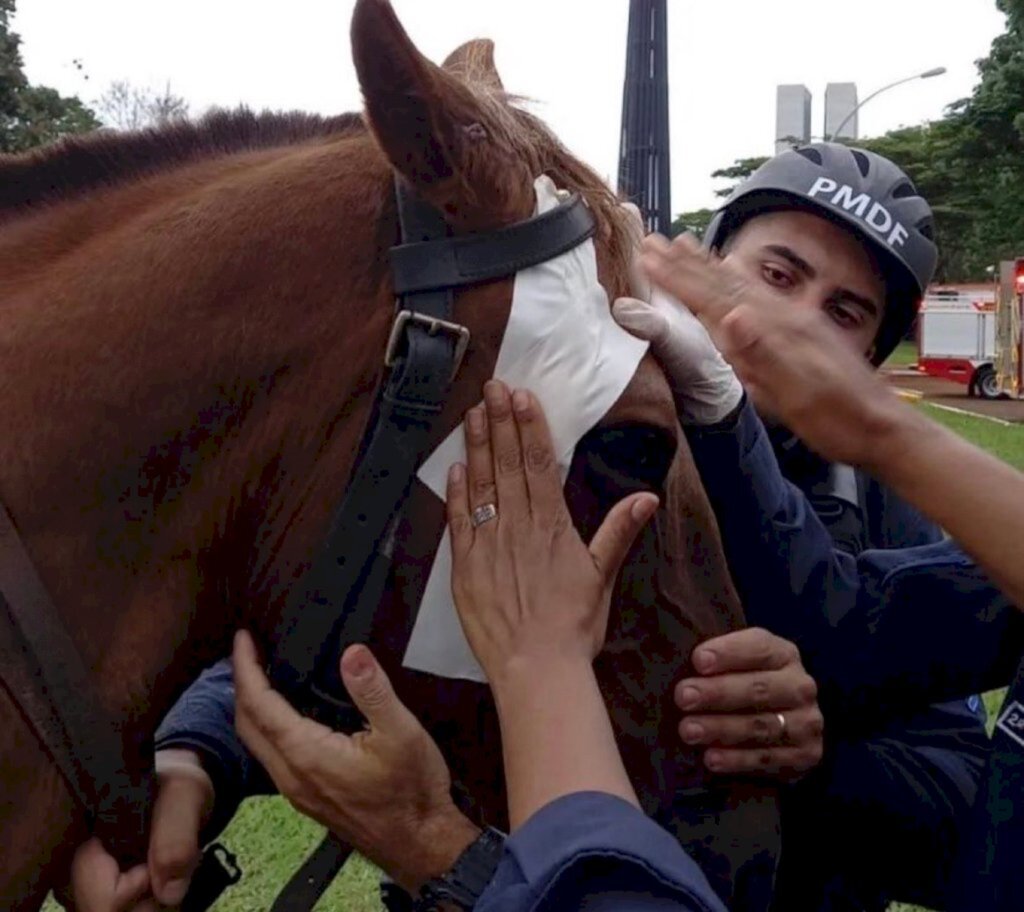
(183, 803)
(525, 584)
(97, 884)
(184, 798)
(750, 681)
(386, 790)
(790, 360)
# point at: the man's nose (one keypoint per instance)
(808, 299)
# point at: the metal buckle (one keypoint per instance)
(434, 326)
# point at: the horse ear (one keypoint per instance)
(453, 140)
(474, 62)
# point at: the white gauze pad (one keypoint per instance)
(562, 344)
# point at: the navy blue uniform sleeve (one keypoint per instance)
(593, 851)
(203, 720)
(883, 633)
(928, 625)
(895, 805)
(790, 577)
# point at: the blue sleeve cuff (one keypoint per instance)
(203, 720)
(739, 445)
(590, 845)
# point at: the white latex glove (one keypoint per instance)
(705, 388)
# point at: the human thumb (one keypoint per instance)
(184, 798)
(612, 542)
(641, 320)
(372, 693)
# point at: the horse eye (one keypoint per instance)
(624, 460)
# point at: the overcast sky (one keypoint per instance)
(726, 57)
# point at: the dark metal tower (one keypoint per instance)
(644, 153)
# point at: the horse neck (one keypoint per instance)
(186, 359)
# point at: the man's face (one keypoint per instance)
(805, 261)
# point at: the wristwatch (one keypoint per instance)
(463, 885)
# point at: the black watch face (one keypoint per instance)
(465, 883)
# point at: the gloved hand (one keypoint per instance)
(705, 388)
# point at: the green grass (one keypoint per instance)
(271, 840)
(904, 355)
(1005, 442)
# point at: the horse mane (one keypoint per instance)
(80, 163)
(547, 155)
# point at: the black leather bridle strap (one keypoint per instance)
(340, 594)
(51, 686)
(471, 259)
(335, 604)
(331, 601)
(310, 882)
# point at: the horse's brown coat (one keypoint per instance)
(191, 330)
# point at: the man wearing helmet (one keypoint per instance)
(843, 231)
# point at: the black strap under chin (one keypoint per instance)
(336, 601)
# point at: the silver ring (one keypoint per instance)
(782, 727)
(484, 514)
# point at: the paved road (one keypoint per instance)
(945, 392)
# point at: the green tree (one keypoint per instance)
(32, 115)
(737, 172)
(991, 146)
(969, 164)
(695, 222)
(930, 154)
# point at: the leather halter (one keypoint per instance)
(334, 604)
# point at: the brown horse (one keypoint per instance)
(192, 324)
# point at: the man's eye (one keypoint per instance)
(843, 316)
(776, 276)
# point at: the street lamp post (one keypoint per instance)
(927, 74)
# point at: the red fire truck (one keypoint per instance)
(972, 334)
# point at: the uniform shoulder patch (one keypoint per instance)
(1011, 721)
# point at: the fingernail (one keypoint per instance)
(627, 306)
(455, 473)
(521, 401)
(173, 892)
(713, 760)
(693, 732)
(643, 508)
(704, 660)
(689, 698)
(475, 419)
(357, 663)
(494, 393)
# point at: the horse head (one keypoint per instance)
(194, 322)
